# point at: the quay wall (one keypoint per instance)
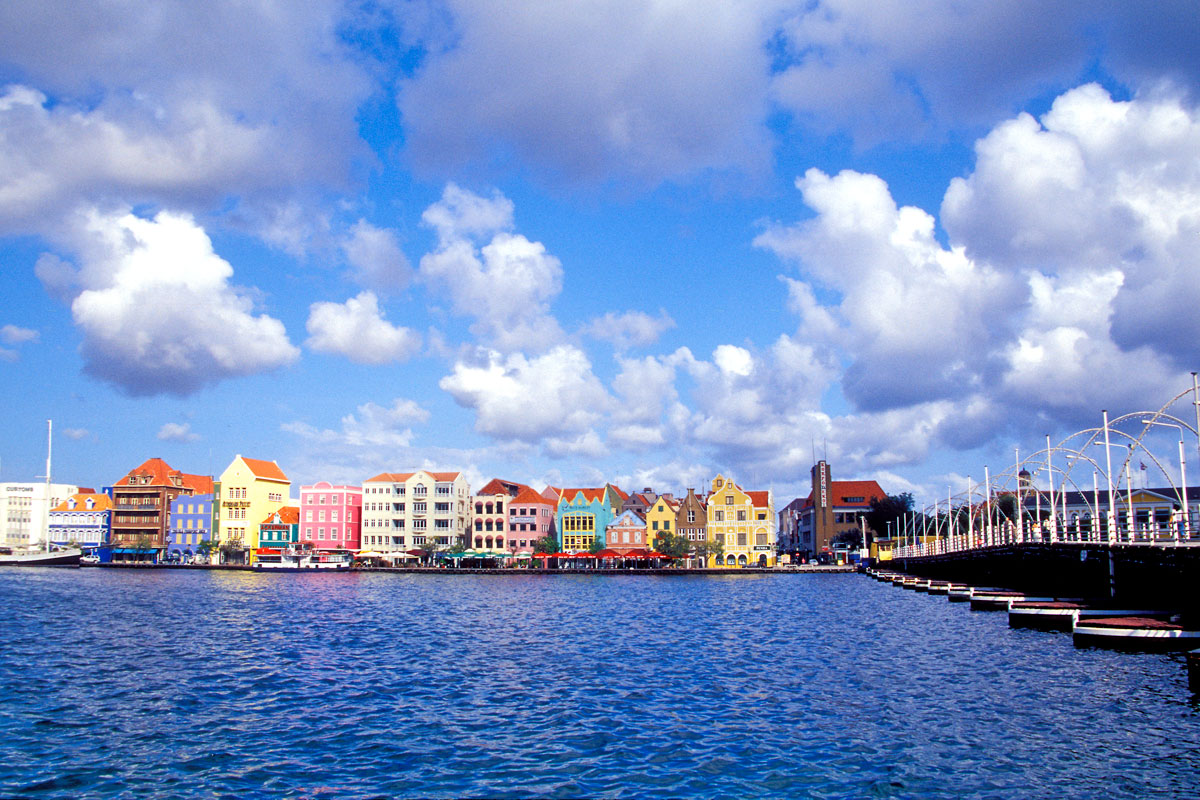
(1134, 576)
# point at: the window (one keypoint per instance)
(742, 516)
(420, 490)
(418, 524)
(333, 515)
(441, 524)
(655, 524)
(719, 516)
(728, 499)
(443, 489)
(760, 538)
(763, 515)
(419, 508)
(321, 515)
(399, 490)
(741, 539)
(691, 517)
(308, 516)
(441, 508)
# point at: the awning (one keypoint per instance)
(268, 551)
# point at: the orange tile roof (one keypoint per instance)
(268, 470)
(199, 484)
(401, 477)
(101, 502)
(528, 495)
(500, 486)
(760, 499)
(840, 490)
(288, 515)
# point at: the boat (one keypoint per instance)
(46, 556)
(296, 559)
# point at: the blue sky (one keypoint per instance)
(642, 242)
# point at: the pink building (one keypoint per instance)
(331, 516)
(510, 516)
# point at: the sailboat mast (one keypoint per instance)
(46, 512)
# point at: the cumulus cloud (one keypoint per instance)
(376, 260)
(76, 434)
(506, 285)
(619, 88)
(176, 432)
(357, 330)
(630, 329)
(554, 395)
(185, 107)
(918, 319)
(157, 312)
(1097, 184)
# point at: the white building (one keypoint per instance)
(404, 511)
(82, 519)
(24, 511)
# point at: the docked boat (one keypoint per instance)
(1135, 633)
(301, 560)
(64, 557)
(46, 555)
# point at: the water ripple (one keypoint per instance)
(157, 683)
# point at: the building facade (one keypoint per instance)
(832, 509)
(141, 508)
(583, 515)
(661, 517)
(25, 511)
(420, 510)
(82, 520)
(191, 526)
(280, 531)
(691, 522)
(743, 522)
(250, 490)
(331, 517)
(491, 528)
(627, 532)
(531, 516)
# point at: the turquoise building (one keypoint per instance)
(584, 514)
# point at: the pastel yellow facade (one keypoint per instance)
(251, 490)
(660, 517)
(743, 522)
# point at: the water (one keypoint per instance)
(221, 684)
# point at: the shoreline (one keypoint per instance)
(802, 569)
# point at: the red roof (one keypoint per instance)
(288, 515)
(760, 499)
(840, 490)
(199, 484)
(265, 469)
(100, 502)
(401, 477)
(497, 486)
(528, 495)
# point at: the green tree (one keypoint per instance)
(672, 544)
(709, 548)
(596, 546)
(890, 508)
(851, 539)
(546, 544)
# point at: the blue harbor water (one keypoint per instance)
(223, 684)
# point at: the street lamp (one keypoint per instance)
(1182, 475)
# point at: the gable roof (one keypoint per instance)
(199, 484)
(100, 502)
(267, 470)
(288, 515)
(401, 477)
(499, 486)
(158, 471)
(759, 499)
(528, 495)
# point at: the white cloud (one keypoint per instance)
(376, 260)
(157, 312)
(185, 107)
(1098, 184)
(630, 329)
(76, 434)
(175, 432)
(13, 334)
(506, 285)
(357, 330)
(554, 395)
(620, 88)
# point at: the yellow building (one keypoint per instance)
(743, 522)
(250, 491)
(660, 518)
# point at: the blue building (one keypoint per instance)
(190, 524)
(585, 514)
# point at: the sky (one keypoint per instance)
(633, 241)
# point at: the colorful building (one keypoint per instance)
(743, 522)
(808, 526)
(584, 515)
(691, 522)
(531, 516)
(82, 519)
(660, 517)
(141, 509)
(250, 490)
(415, 510)
(279, 531)
(191, 526)
(331, 517)
(627, 532)
(491, 528)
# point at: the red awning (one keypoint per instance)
(268, 551)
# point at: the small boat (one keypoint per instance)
(1134, 633)
(296, 560)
